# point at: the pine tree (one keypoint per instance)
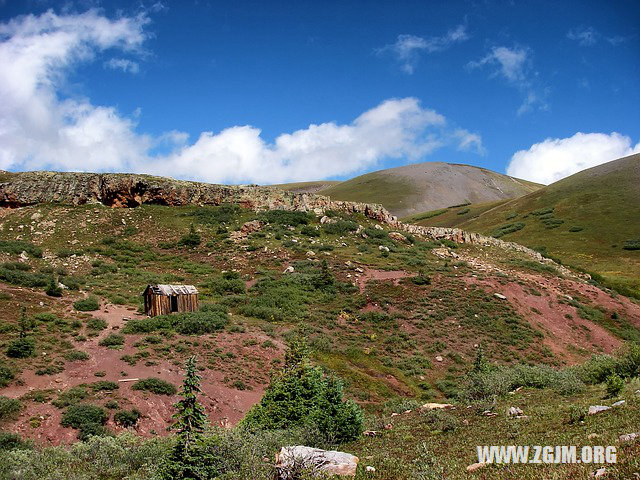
(189, 459)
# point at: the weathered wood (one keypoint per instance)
(158, 299)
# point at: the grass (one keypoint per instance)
(155, 385)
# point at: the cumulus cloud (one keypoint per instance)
(408, 48)
(555, 158)
(41, 130)
(515, 66)
(123, 64)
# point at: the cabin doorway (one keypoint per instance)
(174, 303)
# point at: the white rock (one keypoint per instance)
(515, 411)
(370, 469)
(311, 253)
(593, 409)
(500, 296)
(383, 248)
(601, 472)
(378, 227)
(619, 403)
(475, 466)
(436, 406)
(319, 462)
(439, 358)
(289, 269)
(628, 437)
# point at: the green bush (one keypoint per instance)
(508, 228)
(631, 245)
(191, 239)
(87, 304)
(21, 348)
(17, 246)
(576, 414)
(12, 441)
(9, 407)
(575, 228)
(104, 385)
(127, 418)
(302, 395)
(97, 324)
(463, 211)
(53, 289)
(286, 217)
(188, 323)
(87, 419)
(340, 227)
(615, 385)
(6, 375)
(112, 340)
(70, 397)
(155, 385)
(22, 278)
(215, 215)
(229, 283)
(309, 231)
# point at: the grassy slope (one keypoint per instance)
(306, 187)
(604, 201)
(452, 216)
(406, 189)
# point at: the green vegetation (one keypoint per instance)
(16, 247)
(155, 385)
(507, 228)
(112, 340)
(9, 408)
(21, 348)
(301, 395)
(87, 304)
(127, 418)
(191, 323)
(87, 419)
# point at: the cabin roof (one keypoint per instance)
(171, 289)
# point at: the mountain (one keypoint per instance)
(426, 186)
(404, 315)
(590, 220)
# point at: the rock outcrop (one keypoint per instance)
(291, 462)
(132, 190)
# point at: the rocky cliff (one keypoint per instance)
(131, 190)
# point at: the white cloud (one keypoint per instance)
(555, 158)
(585, 36)
(123, 64)
(515, 66)
(41, 130)
(407, 48)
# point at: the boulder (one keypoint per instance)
(436, 406)
(383, 248)
(500, 296)
(292, 461)
(398, 237)
(593, 409)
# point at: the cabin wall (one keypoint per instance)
(161, 304)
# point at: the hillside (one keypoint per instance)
(306, 187)
(589, 220)
(400, 318)
(427, 186)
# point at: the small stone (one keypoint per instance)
(619, 403)
(593, 409)
(514, 411)
(628, 437)
(388, 426)
(370, 433)
(311, 253)
(591, 436)
(601, 472)
(439, 358)
(500, 296)
(370, 469)
(436, 406)
(289, 269)
(476, 466)
(383, 248)
(378, 227)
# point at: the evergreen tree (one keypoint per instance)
(188, 459)
(54, 290)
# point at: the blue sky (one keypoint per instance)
(270, 92)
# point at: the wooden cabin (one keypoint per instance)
(164, 299)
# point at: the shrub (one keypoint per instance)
(53, 289)
(214, 215)
(87, 304)
(229, 283)
(103, 385)
(615, 385)
(631, 245)
(576, 414)
(16, 247)
(188, 323)
(301, 395)
(97, 324)
(127, 418)
(25, 279)
(21, 348)
(508, 228)
(6, 375)
(340, 227)
(464, 211)
(70, 397)
(9, 407)
(191, 239)
(575, 228)
(441, 420)
(112, 340)
(155, 385)
(12, 441)
(286, 217)
(87, 419)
